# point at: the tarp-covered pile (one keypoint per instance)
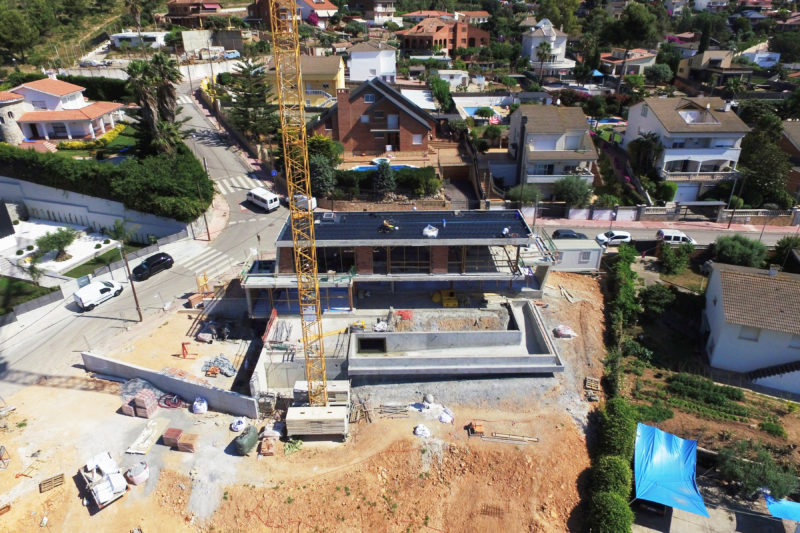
(664, 469)
(786, 509)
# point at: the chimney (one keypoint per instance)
(727, 106)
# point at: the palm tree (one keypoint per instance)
(142, 85)
(164, 71)
(168, 136)
(543, 51)
(135, 9)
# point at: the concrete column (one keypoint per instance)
(69, 133)
(439, 259)
(91, 130)
(43, 126)
(249, 302)
(102, 125)
(363, 260)
(111, 119)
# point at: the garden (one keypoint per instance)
(15, 291)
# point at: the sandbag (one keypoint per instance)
(246, 441)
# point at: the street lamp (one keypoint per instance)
(613, 217)
(130, 279)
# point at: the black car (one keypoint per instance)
(152, 265)
(568, 234)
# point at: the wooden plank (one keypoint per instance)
(51, 483)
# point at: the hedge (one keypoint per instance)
(612, 473)
(164, 185)
(617, 429)
(610, 513)
(102, 88)
(100, 142)
(421, 181)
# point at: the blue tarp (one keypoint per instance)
(596, 73)
(783, 508)
(664, 468)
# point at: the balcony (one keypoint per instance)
(699, 176)
(552, 178)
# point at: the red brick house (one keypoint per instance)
(790, 144)
(190, 13)
(374, 118)
(432, 32)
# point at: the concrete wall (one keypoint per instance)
(197, 39)
(789, 382)
(414, 341)
(196, 71)
(218, 399)
(272, 373)
(62, 206)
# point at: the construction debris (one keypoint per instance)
(222, 363)
(422, 431)
(591, 383)
(171, 437)
(246, 441)
(360, 410)
(564, 332)
(515, 437)
(504, 441)
(393, 411)
(149, 435)
(51, 483)
(138, 473)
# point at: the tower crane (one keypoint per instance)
(289, 89)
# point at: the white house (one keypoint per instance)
(50, 108)
(751, 318)
(453, 77)
(710, 5)
(549, 143)
(323, 8)
(556, 64)
(763, 58)
(638, 60)
(372, 60)
(153, 39)
(701, 139)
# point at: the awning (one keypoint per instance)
(390, 130)
(212, 6)
(786, 509)
(664, 469)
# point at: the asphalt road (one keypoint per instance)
(50, 343)
(702, 236)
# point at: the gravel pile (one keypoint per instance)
(133, 386)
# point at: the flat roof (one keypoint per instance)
(576, 244)
(455, 228)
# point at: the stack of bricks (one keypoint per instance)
(145, 403)
(127, 407)
(187, 442)
(172, 436)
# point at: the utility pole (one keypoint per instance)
(130, 280)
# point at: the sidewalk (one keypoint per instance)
(658, 224)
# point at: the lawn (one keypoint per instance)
(103, 259)
(15, 291)
(126, 139)
(606, 133)
(690, 279)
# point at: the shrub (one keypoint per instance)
(703, 390)
(784, 247)
(100, 142)
(97, 246)
(20, 252)
(773, 428)
(632, 348)
(610, 513)
(383, 181)
(485, 112)
(657, 412)
(322, 175)
(655, 299)
(573, 190)
(617, 428)
(59, 240)
(612, 473)
(675, 260)
(15, 222)
(739, 250)
(613, 372)
(758, 471)
(665, 190)
(106, 241)
(29, 247)
(527, 194)
(102, 88)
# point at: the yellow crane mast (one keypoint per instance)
(289, 89)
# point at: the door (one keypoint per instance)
(34, 131)
(392, 122)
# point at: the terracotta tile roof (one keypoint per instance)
(8, 96)
(428, 13)
(323, 5)
(427, 27)
(751, 297)
(54, 87)
(90, 112)
(666, 111)
(476, 14)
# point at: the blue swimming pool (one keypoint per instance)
(375, 167)
(471, 110)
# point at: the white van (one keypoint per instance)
(263, 198)
(673, 236)
(88, 296)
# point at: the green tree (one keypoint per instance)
(251, 111)
(134, 7)
(753, 467)
(636, 26)
(441, 91)
(543, 52)
(525, 194)
(617, 429)
(509, 82)
(383, 181)
(610, 513)
(644, 151)
(168, 137)
(784, 247)
(561, 13)
(355, 28)
(19, 35)
(42, 15)
(668, 55)
(655, 299)
(573, 190)
(142, 86)
(635, 82)
(327, 147)
(485, 112)
(606, 200)
(658, 74)
(676, 260)
(492, 132)
(595, 107)
(322, 175)
(787, 44)
(58, 241)
(165, 73)
(666, 190)
(739, 250)
(612, 473)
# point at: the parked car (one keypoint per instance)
(613, 238)
(673, 236)
(568, 234)
(97, 292)
(152, 265)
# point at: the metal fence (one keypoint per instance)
(36, 303)
(131, 256)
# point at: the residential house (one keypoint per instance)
(790, 24)
(763, 58)
(190, 13)
(675, 7)
(616, 7)
(417, 16)
(750, 320)
(341, 47)
(701, 139)
(453, 77)
(374, 118)
(713, 67)
(712, 6)
(544, 32)
(324, 10)
(378, 12)
(790, 143)
(437, 33)
(762, 6)
(322, 77)
(528, 23)
(549, 143)
(638, 60)
(473, 17)
(53, 109)
(373, 59)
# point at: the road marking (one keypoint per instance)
(223, 188)
(185, 99)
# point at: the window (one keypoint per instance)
(644, 110)
(585, 257)
(795, 342)
(416, 139)
(373, 72)
(378, 115)
(329, 124)
(10, 114)
(379, 135)
(326, 85)
(369, 98)
(749, 333)
(39, 104)
(364, 119)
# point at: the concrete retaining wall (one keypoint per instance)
(269, 376)
(218, 399)
(63, 206)
(454, 365)
(415, 341)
